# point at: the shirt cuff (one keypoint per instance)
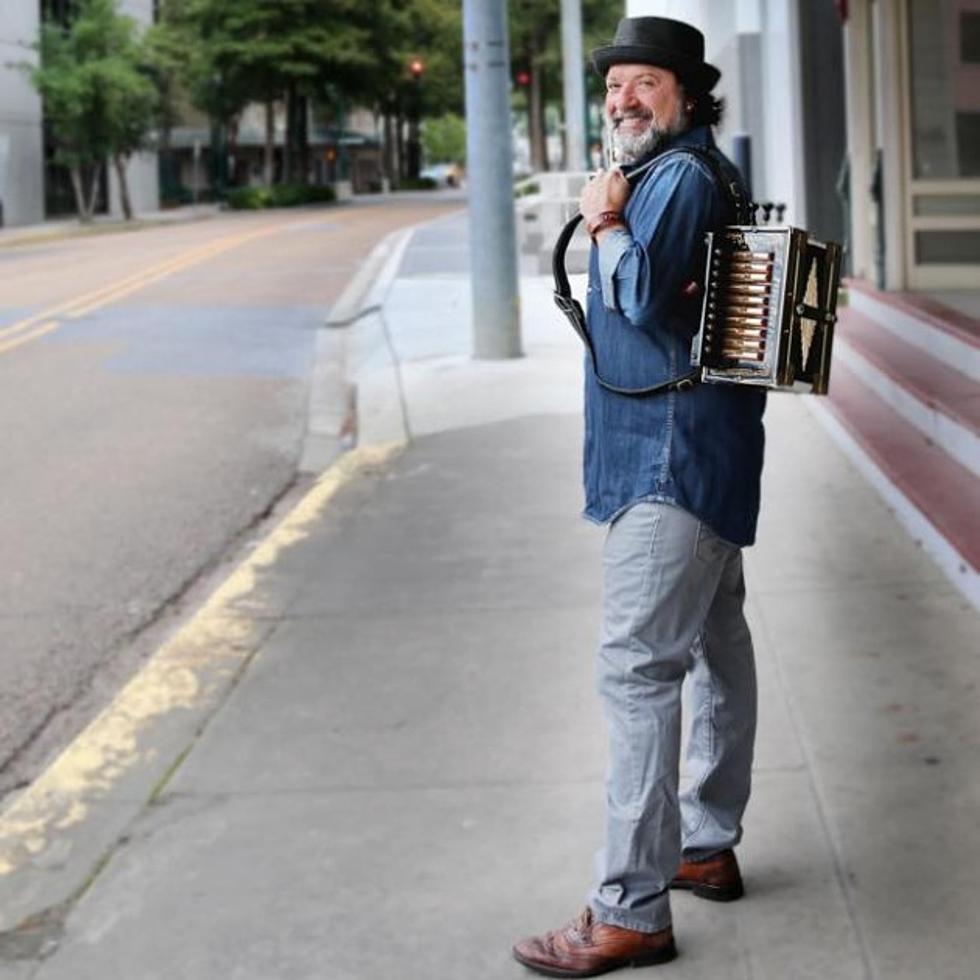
(612, 246)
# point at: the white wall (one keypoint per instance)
(782, 109)
(21, 152)
(692, 11)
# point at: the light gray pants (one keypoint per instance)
(672, 607)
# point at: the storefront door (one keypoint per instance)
(941, 54)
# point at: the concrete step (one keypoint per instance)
(939, 400)
(945, 334)
(934, 495)
(904, 404)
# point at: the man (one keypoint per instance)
(676, 474)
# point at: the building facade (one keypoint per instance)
(32, 186)
(913, 119)
(864, 120)
(21, 136)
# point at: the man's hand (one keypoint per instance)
(608, 190)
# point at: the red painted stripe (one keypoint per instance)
(931, 381)
(925, 308)
(947, 494)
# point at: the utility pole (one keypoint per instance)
(574, 85)
(490, 179)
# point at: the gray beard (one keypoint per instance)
(628, 148)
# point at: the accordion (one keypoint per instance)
(770, 301)
(769, 308)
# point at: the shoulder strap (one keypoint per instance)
(571, 307)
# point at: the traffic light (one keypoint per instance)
(417, 67)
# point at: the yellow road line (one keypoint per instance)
(190, 672)
(88, 302)
(34, 334)
(67, 305)
(152, 276)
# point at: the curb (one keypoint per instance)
(332, 408)
(56, 231)
(59, 832)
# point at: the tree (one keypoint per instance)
(444, 139)
(267, 50)
(534, 25)
(400, 33)
(99, 102)
(167, 47)
(535, 33)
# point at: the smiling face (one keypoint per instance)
(644, 106)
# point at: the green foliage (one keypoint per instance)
(280, 196)
(402, 31)
(98, 100)
(254, 50)
(444, 139)
(167, 52)
(418, 184)
(535, 36)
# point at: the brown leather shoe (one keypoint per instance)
(586, 948)
(718, 878)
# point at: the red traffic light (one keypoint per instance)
(417, 67)
(523, 78)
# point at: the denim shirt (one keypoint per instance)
(699, 449)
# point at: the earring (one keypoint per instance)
(689, 107)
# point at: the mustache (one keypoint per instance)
(643, 114)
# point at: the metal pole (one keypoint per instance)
(574, 84)
(489, 164)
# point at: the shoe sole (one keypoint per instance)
(713, 893)
(665, 955)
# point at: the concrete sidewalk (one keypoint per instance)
(404, 772)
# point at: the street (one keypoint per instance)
(153, 392)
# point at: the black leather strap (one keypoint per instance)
(571, 307)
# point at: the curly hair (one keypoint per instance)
(706, 109)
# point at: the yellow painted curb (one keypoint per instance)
(196, 664)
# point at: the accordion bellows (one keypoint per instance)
(770, 301)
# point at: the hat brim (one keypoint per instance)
(698, 75)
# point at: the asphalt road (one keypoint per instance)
(153, 394)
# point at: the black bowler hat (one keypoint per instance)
(662, 42)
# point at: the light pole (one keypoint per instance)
(573, 84)
(489, 163)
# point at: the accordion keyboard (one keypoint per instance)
(739, 302)
(769, 309)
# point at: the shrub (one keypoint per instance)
(248, 198)
(419, 184)
(278, 196)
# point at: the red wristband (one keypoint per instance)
(605, 219)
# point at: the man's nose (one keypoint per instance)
(626, 98)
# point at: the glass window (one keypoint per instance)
(945, 88)
(930, 205)
(947, 247)
(970, 37)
